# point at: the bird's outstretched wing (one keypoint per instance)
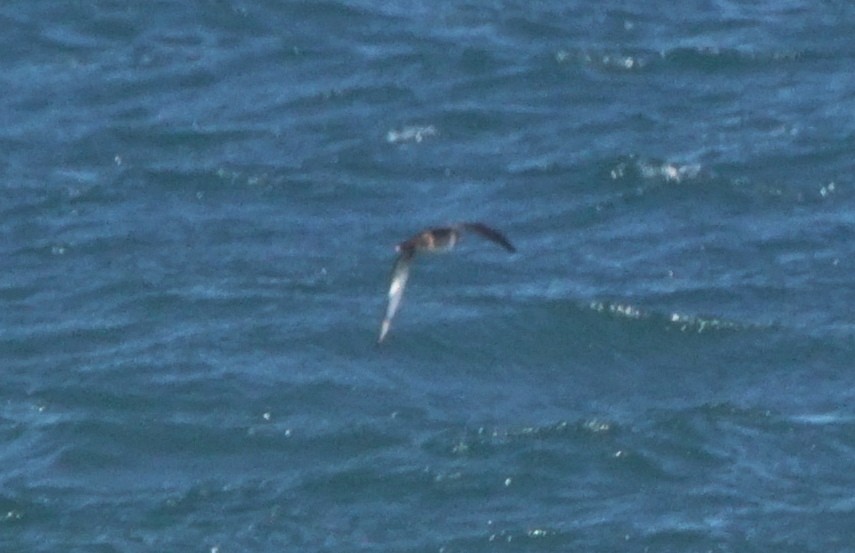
(430, 240)
(400, 274)
(490, 234)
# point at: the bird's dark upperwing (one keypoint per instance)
(490, 234)
(400, 274)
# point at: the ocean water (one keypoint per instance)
(200, 202)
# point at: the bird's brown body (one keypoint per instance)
(432, 240)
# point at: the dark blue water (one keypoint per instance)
(199, 206)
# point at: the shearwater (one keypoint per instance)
(440, 239)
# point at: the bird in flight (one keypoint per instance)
(441, 239)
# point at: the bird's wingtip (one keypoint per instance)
(384, 329)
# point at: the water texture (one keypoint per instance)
(200, 205)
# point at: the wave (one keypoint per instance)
(698, 58)
(669, 321)
(607, 183)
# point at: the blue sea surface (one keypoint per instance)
(200, 203)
